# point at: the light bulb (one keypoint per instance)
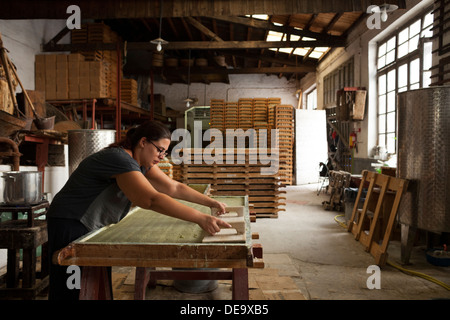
(158, 46)
(384, 15)
(188, 104)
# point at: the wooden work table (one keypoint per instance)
(146, 239)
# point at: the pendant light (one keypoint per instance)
(385, 8)
(188, 100)
(159, 41)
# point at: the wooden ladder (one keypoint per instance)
(373, 229)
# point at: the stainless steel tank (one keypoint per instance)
(85, 142)
(424, 157)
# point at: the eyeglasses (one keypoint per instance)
(161, 151)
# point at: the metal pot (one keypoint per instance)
(22, 187)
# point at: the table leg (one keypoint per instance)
(29, 268)
(240, 284)
(12, 269)
(95, 284)
(140, 283)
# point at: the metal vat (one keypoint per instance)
(22, 187)
(424, 158)
(85, 142)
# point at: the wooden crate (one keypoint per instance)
(128, 91)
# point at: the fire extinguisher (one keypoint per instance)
(352, 140)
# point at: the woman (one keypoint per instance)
(100, 192)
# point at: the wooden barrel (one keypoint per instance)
(157, 60)
(201, 62)
(171, 62)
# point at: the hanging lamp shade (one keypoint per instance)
(159, 41)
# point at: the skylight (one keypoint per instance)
(316, 53)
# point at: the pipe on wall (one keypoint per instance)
(15, 153)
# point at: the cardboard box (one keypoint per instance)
(39, 73)
(85, 90)
(50, 62)
(84, 69)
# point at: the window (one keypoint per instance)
(311, 100)
(336, 80)
(403, 63)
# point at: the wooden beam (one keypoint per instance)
(181, 71)
(193, 45)
(255, 23)
(120, 9)
(263, 57)
(203, 29)
(227, 45)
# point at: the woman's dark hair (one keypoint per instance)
(152, 130)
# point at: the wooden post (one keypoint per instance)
(240, 284)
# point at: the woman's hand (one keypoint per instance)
(212, 224)
(221, 207)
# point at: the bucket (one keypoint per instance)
(45, 123)
(195, 286)
(84, 142)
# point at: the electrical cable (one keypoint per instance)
(406, 271)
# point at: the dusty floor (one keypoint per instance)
(309, 256)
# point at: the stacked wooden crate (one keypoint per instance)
(100, 33)
(284, 116)
(245, 109)
(265, 114)
(70, 76)
(231, 115)
(166, 167)
(271, 104)
(128, 91)
(217, 114)
(259, 110)
(176, 171)
(239, 178)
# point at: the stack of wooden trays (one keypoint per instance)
(242, 177)
(217, 120)
(100, 33)
(259, 110)
(245, 113)
(231, 115)
(284, 116)
(166, 167)
(128, 91)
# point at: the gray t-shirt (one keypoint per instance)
(91, 195)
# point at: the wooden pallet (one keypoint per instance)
(373, 229)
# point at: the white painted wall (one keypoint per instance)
(23, 39)
(241, 86)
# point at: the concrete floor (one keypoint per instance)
(325, 261)
(309, 256)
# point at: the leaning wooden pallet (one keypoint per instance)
(284, 124)
(373, 229)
